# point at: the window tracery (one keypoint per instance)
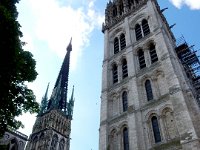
(62, 144)
(124, 68)
(115, 73)
(122, 41)
(153, 54)
(54, 142)
(141, 59)
(116, 45)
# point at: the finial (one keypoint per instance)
(72, 93)
(69, 47)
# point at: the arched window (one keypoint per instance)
(125, 101)
(125, 139)
(116, 45)
(54, 142)
(169, 123)
(138, 32)
(156, 130)
(122, 41)
(124, 68)
(62, 144)
(141, 59)
(13, 145)
(114, 11)
(115, 73)
(153, 54)
(113, 140)
(148, 90)
(34, 143)
(145, 27)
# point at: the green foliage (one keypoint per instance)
(4, 147)
(17, 67)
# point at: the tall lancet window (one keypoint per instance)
(54, 142)
(114, 11)
(116, 45)
(125, 139)
(122, 41)
(115, 73)
(148, 90)
(156, 130)
(138, 32)
(121, 8)
(153, 54)
(145, 27)
(13, 144)
(141, 59)
(125, 101)
(124, 68)
(113, 140)
(34, 145)
(62, 144)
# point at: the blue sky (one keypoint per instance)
(48, 25)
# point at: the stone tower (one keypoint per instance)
(52, 127)
(150, 88)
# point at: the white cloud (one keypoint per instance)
(56, 24)
(192, 4)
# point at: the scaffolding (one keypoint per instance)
(191, 64)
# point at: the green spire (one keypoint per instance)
(71, 104)
(44, 102)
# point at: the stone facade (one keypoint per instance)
(14, 140)
(162, 111)
(50, 131)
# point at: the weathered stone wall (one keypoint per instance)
(173, 103)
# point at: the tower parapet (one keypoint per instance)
(117, 10)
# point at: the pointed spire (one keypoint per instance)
(72, 96)
(69, 47)
(58, 98)
(43, 106)
(71, 105)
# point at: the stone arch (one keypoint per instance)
(137, 19)
(13, 144)
(149, 42)
(169, 122)
(116, 33)
(62, 144)
(113, 139)
(54, 142)
(124, 132)
(150, 114)
(154, 132)
(113, 104)
(123, 125)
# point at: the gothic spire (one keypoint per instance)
(43, 105)
(58, 98)
(71, 105)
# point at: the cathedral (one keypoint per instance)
(52, 127)
(150, 97)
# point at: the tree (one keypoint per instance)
(17, 67)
